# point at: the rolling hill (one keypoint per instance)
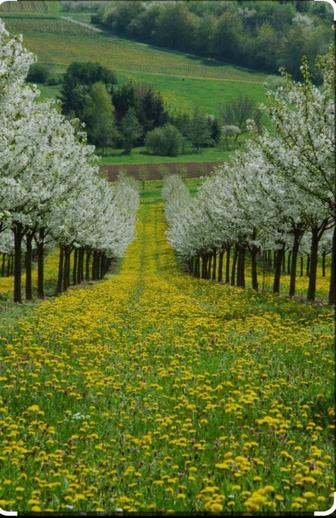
(185, 81)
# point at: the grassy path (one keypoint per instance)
(82, 24)
(155, 391)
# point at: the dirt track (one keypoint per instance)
(157, 171)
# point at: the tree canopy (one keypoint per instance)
(263, 35)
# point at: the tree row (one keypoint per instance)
(276, 197)
(50, 189)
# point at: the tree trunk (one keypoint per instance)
(81, 265)
(79, 260)
(75, 267)
(313, 265)
(214, 267)
(277, 269)
(332, 286)
(254, 252)
(192, 266)
(308, 266)
(233, 269)
(210, 261)
(66, 273)
(99, 266)
(220, 267)
(204, 266)
(18, 235)
(87, 265)
(289, 263)
(227, 265)
(283, 262)
(323, 263)
(28, 266)
(3, 265)
(301, 266)
(241, 268)
(9, 265)
(294, 254)
(94, 266)
(60, 270)
(40, 265)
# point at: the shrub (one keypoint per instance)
(166, 141)
(54, 80)
(38, 73)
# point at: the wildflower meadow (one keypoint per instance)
(154, 391)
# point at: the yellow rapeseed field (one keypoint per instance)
(152, 391)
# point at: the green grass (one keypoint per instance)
(84, 17)
(186, 93)
(139, 156)
(49, 92)
(151, 191)
(54, 7)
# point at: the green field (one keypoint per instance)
(185, 81)
(139, 156)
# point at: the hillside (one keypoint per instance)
(185, 81)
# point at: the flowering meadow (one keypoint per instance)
(153, 391)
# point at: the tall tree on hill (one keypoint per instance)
(77, 81)
(147, 104)
(131, 130)
(99, 117)
(176, 26)
(226, 40)
(200, 132)
(124, 98)
(152, 113)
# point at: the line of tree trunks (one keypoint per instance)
(241, 266)
(28, 265)
(279, 254)
(254, 253)
(7, 265)
(332, 285)
(220, 266)
(40, 264)
(214, 267)
(83, 265)
(233, 267)
(18, 237)
(211, 265)
(298, 233)
(227, 265)
(86, 264)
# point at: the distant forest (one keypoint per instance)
(262, 35)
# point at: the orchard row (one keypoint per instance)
(50, 189)
(277, 196)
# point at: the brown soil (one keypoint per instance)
(157, 171)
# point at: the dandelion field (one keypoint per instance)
(153, 391)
